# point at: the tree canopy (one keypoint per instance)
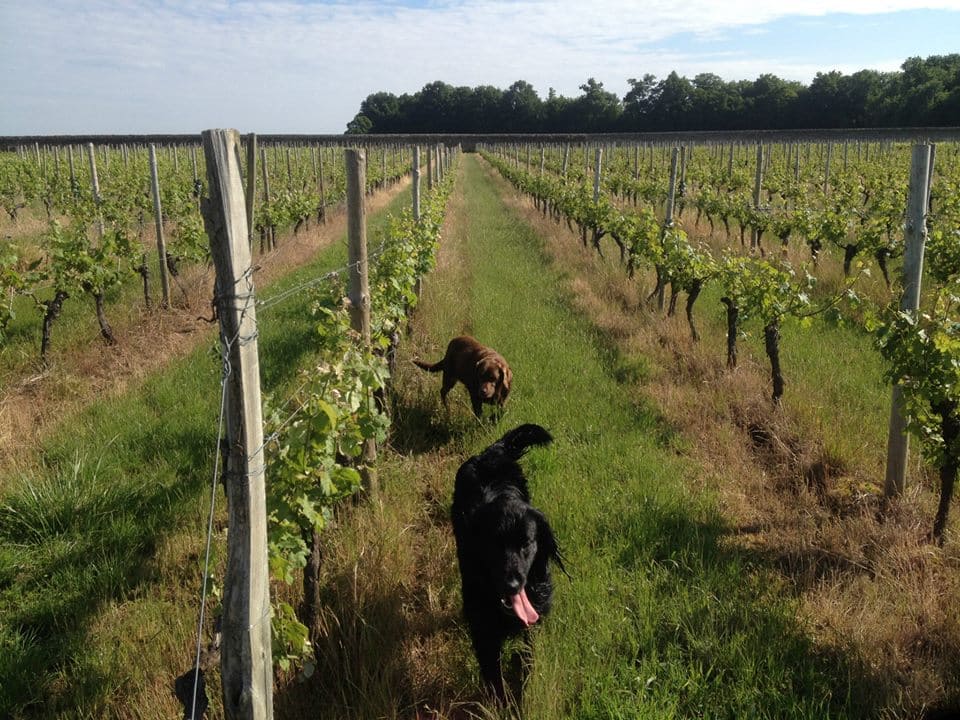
(923, 93)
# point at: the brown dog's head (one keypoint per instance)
(495, 377)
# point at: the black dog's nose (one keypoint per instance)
(514, 584)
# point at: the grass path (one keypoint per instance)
(661, 618)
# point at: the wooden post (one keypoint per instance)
(597, 169)
(429, 169)
(95, 183)
(416, 183)
(566, 160)
(251, 192)
(668, 215)
(158, 221)
(757, 189)
(323, 194)
(359, 290)
(246, 664)
(915, 238)
(826, 170)
(73, 173)
(933, 161)
(418, 284)
(268, 231)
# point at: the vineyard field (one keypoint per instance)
(710, 332)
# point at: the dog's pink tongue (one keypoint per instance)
(523, 608)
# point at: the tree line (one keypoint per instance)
(923, 93)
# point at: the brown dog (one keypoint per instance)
(483, 370)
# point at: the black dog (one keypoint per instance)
(504, 546)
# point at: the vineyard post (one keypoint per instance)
(323, 195)
(251, 191)
(671, 193)
(636, 161)
(682, 180)
(366, 170)
(359, 287)
(566, 160)
(416, 183)
(597, 169)
(826, 169)
(915, 237)
(730, 161)
(267, 236)
(757, 189)
(73, 174)
(543, 159)
(158, 221)
(246, 662)
(95, 183)
(429, 169)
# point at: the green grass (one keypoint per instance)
(82, 533)
(659, 620)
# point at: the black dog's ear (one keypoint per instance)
(547, 541)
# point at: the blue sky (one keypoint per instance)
(301, 66)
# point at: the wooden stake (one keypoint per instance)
(671, 194)
(95, 183)
(359, 290)
(267, 230)
(251, 192)
(914, 241)
(416, 183)
(597, 169)
(757, 189)
(158, 220)
(246, 663)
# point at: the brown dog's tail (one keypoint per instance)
(436, 367)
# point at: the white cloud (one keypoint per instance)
(289, 66)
